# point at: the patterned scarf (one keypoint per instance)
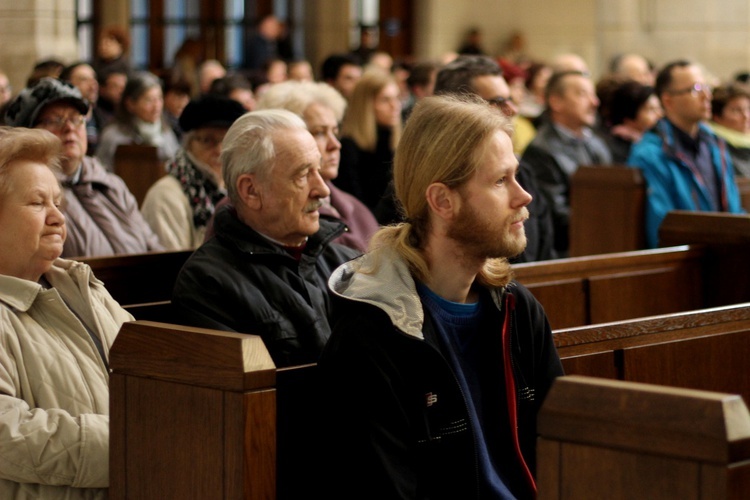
(200, 189)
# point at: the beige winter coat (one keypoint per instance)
(54, 392)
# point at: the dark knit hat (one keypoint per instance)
(25, 108)
(210, 111)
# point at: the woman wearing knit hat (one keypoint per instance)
(179, 205)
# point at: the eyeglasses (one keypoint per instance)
(500, 102)
(506, 104)
(696, 90)
(58, 122)
(208, 141)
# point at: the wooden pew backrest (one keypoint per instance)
(139, 166)
(193, 414)
(620, 440)
(139, 278)
(601, 288)
(707, 349)
(607, 210)
(726, 238)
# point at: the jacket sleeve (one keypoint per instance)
(48, 446)
(658, 186)
(364, 426)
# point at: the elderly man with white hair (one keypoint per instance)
(265, 270)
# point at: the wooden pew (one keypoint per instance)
(743, 185)
(139, 278)
(620, 440)
(199, 413)
(204, 414)
(607, 210)
(139, 166)
(597, 289)
(707, 349)
(726, 238)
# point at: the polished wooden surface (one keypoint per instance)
(139, 166)
(707, 349)
(139, 278)
(622, 440)
(607, 210)
(601, 288)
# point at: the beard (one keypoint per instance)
(487, 237)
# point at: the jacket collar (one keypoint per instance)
(382, 278)
(241, 236)
(20, 294)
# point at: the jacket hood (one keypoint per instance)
(382, 279)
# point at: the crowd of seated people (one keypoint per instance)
(304, 188)
(560, 121)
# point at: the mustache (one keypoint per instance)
(313, 206)
(522, 216)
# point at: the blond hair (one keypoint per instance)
(443, 141)
(359, 122)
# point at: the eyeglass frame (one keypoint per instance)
(59, 123)
(501, 102)
(695, 90)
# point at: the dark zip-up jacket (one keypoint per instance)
(240, 281)
(397, 423)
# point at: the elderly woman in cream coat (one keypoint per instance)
(58, 323)
(180, 204)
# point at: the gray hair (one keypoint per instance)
(248, 146)
(298, 96)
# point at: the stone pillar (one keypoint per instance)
(326, 30)
(32, 30)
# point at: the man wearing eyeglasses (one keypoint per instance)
(685, 165)
(563, 143)
(101, 214)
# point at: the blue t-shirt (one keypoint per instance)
(462, 330)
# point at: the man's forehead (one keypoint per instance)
(690, 73)
(490, 86)
(295, 148)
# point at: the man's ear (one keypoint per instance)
(248, 189)
(443, 201)
(553, 102)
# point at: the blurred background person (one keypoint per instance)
(633, 109)
(46, 67)
(138, 121)
(58, 324)
(176, 97)
(6, 90)
(82, 76)
(300, 70)
(180, 204)
(421, 83)
(111, 85)
(235, 86)
(342, 72)
(730, 120)
(112, 50)
(102, 215)
(370, 132)
(209, 71)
